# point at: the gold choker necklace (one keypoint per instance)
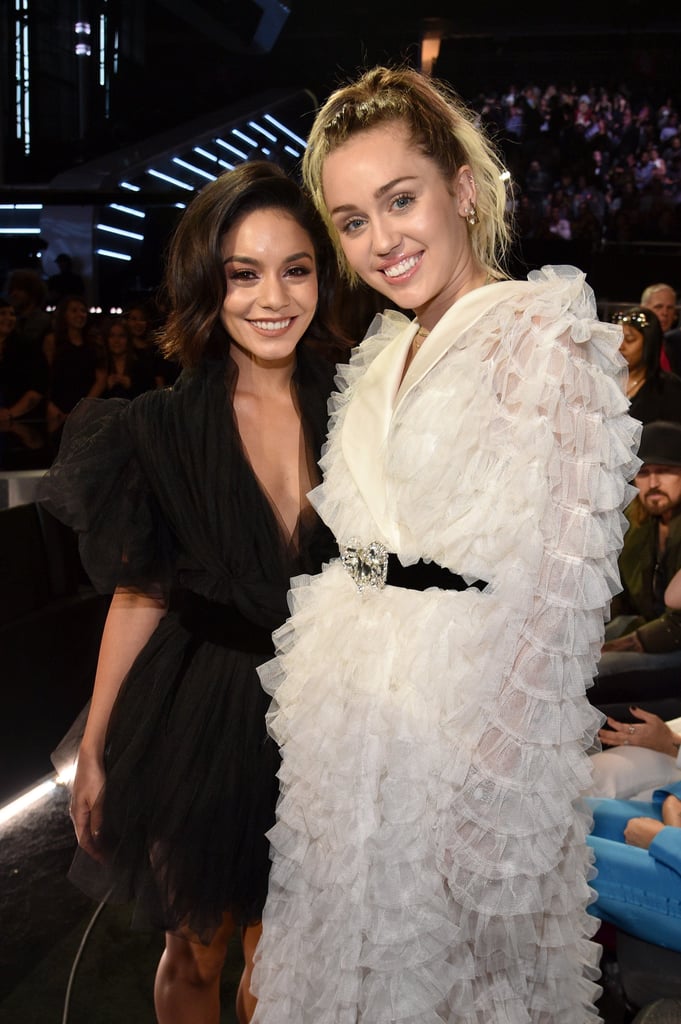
(419, 338)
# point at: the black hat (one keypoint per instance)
(661, 443)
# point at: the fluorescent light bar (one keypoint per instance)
(191, 167)
(21, 206)
(127, 209)
(120, 231)
(263, 131)
(172, 181)
(114, 255)
(232, 149)
(204, 152)
(245, 138)
(129, 186)
(19, 231)
(287, 131)
(293, 152)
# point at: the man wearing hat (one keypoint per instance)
(641, 659)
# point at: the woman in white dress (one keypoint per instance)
(429, 860)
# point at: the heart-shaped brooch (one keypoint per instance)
(368, 566)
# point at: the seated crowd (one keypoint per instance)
(50, 360)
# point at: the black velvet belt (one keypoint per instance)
(422, 575)
(222, 624)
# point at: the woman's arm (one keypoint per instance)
(99, 384)
(672, 595)
(133, 616)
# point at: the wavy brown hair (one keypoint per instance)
(194, 286)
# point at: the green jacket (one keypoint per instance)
(658, 634)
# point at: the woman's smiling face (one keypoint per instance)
(271, 278)
(401, 224)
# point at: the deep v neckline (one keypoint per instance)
(307, 478)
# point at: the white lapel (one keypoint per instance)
(379, 392)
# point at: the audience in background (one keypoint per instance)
(27, 293)
(65, 282)
(76, 365)
(127, 375)
(23, 371)
(654, 394)
(641, 657)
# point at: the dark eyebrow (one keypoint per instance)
(254, 263)
(377, 194)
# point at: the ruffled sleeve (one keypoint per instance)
(98, 487)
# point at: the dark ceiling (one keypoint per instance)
(196, 54)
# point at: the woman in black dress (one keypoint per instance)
(191, 507)
(654, 394)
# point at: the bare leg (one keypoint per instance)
(187, 988)
(245, 1000)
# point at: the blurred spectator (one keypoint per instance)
(65, 282)
(126, 375)
(653, 393)
(641, 656)
(76, 364)
(23, 372)
(27, 293)
(151, 361)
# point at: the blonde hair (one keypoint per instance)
(443, 128)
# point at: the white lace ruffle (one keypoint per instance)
(429, 862)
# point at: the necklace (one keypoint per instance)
(635, 382)
(419, 338)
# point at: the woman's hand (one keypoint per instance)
(86, 804)
(642, 831)
(671, 811)
(652, 733)
(628, 642)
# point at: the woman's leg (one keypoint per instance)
(636, 893)
(187, 988)
(245, 1000)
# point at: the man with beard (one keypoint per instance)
(641, 660)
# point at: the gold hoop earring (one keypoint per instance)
(472, 215)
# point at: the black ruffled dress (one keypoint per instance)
(160, 493)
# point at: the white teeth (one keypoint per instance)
(269, 325)
(401, 268)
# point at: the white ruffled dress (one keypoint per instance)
(429, 860)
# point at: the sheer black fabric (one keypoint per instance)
(161, 494)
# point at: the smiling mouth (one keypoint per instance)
(402, 267)
(272, 325)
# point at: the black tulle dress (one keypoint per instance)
(160, 492)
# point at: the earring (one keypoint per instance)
(472, 215)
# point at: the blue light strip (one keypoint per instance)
(244, 138)
(232, 149)
(114, 255)
(172, 181)
(263, 131)
(130, 187)
(204, 152)
(127, 209)
(191, 167)
(287, 131)
(120, 231)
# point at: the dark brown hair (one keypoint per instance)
(194, 285)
